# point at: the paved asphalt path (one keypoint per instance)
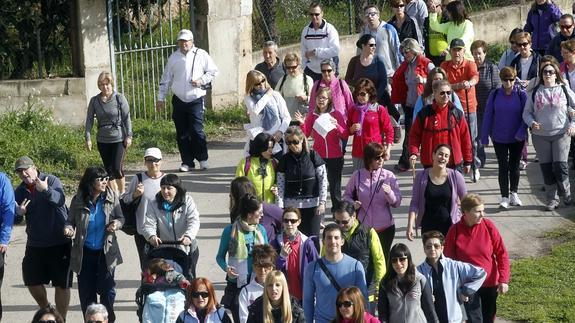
(519, 226)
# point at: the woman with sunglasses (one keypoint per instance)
(144, 186)
(374, 191)
(427, 97)
(476, 240)
(458, 26)
(260, 167)
(368, 122)
(436, 194)
(236, 244)
(276, 305)
(370, 66)
(405, 294)
(503, 122)
(295, 250)
(94, 217)
(266, 109)
(201, 304)
(540, 22)
(527, 62)
(47, 315)
(350, 306)
(407, 85)
(406, 26)
(549, 114)
(172, 215)
(295, 86)
(302, 181)
(327, 145)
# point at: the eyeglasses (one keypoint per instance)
(522, 44)
(508, 80)
(314, 14)
(371, 14)
(362, 94)
(401, 5)
(398, 259)
(565, 26)
(102, 179)
(198, 294)
(548, 72)
(322, 98)
(371, 45)
(344, 222)
(327, 71)
(292, 221)
(344, 304)
(432, 245)
(291, 67)
(292, 142)
(152, 160)
(445, 93)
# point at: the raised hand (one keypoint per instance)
(21, 208)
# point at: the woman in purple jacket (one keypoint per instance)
(295, 251)
(436, 194)
(503, 122)
(374, 190)
(540, 23)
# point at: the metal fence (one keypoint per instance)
(283, 21)
(142, 35)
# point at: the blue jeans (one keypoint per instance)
(188, 118)
(94, 279)
(472, 124)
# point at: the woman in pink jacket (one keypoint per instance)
(327, 145)
(374, 190)
(368, 122)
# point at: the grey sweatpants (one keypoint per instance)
(553, 152)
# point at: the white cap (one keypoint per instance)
(185, 34)
(153, 152)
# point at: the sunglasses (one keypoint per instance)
(522, 44)
(445, 93)
(292, 142)
(152, 160)
(362, 94)
(344, 222)
(327, 71)
(102, 179)
(260, 83)
(508, 80)
(371, 14)
(565, 26)
(344, 304)
(548, 72)
(291, 67)
(313, 14)
(371, 45)
(432, 245)
(202, 294)
(398, 259)
(399, 6)
(292, 221)
(378, 157)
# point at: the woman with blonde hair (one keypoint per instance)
(266, 109)
(351, 307)
(276, 305)
(295, 86)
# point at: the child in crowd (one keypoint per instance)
(162, 272)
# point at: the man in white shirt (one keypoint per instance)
(188, 73)
(319, 41)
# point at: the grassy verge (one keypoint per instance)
(541, 288)
(59, 149)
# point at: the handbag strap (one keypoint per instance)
(328, 274)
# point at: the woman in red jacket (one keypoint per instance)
(476, 240)
(327, 142)
(368, 122)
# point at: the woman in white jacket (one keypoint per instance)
(173, 216)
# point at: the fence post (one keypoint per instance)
(350, 18)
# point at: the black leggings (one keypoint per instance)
(508, 157)
(112, 155)
(386, 239)
(310, 223)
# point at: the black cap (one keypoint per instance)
(457, 43)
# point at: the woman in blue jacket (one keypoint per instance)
(540, 23)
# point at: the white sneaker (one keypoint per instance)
(184, 168)
(477, 175)
(504, 203)
(514, 199)
(204, 165)
(522, 165)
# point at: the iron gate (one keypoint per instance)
(142, 35)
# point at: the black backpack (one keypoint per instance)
(129, 212)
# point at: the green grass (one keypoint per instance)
(60, 150)
(542, 288)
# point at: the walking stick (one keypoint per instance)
(473, 167)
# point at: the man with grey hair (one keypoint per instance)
(96, 313)
(271, 67)
(188, 73)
